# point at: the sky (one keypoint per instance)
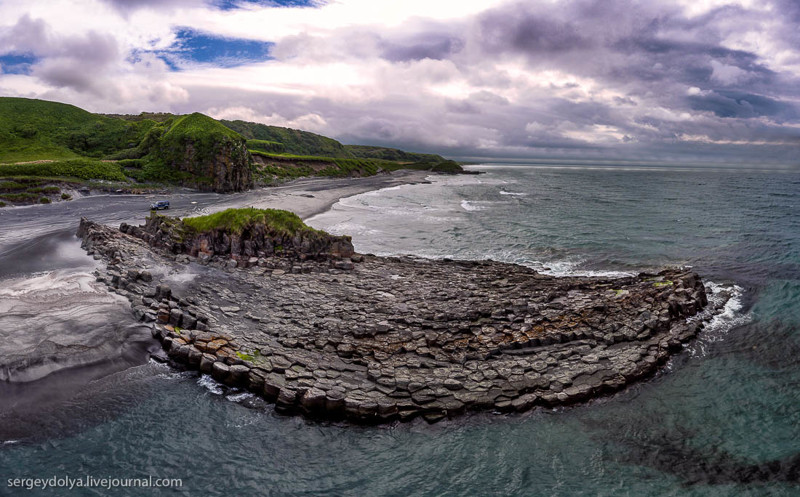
(650, 80)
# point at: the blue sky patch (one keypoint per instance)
(197, 47)
(236, 4)
(17, 63)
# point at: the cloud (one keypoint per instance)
(488, 77)
(191, 46)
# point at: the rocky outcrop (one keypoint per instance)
(226, 169)
(397, 338)
(210, 156)
(254, 242)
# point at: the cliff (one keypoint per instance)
(242, 235)
(211, 156)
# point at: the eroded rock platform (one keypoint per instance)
(376, 339)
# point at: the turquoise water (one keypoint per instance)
(722, 419)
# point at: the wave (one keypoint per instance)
(514, 194)
(470, 206)
(210, 384)
(721, 323)
(240, 396)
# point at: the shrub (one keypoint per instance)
(44, 200)
(66, 196)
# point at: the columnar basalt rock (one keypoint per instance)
(396, 338)
(256, 241)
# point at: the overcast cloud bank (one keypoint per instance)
(666, 80)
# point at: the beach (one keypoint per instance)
(81, 332)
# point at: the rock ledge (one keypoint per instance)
(392, 338)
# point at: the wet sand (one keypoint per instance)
(312, 196)
(58, 327)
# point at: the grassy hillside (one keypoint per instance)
(392, 154)
(294, 141)
(62, 142)
(37, 129)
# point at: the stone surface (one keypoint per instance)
(396, 338)
(241, 249)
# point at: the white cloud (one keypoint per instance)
(423, 73)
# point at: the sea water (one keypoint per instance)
(722, 418)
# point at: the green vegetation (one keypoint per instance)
(48, 190)
(266, 146)
(661, 284)
(44, 200)
(24, 198)
(237, 220)
(249, 357)
(73, 168)
(57, 143)
(2, 204)
(294, 141)
(190, 142)
(12, 185)
(37, 129)
(392, 154)
(66, 196)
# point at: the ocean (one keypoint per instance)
(722, 418)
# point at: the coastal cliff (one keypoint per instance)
(205, 154)
(385, 338)
(241, 235)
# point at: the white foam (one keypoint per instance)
(470, 206)
(515, 194)
(721, 323)
(239, 397)
(210, 384)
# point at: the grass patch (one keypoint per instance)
(47, 190)
(2, 204)
(44, 200)
(66, 196)
(661, 284)
(12, 185)
(19, 197)
(236, 220)
(266, 146)
(75, 168)
(246, 357)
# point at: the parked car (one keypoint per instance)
(161, 204)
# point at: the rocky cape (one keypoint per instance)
(338, 335)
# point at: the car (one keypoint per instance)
(161, 204)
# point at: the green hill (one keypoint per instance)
(192, 150)
(294, 141)
(200, 150)
(38, 129)
(393, 154)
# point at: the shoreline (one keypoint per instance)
(308, 197)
